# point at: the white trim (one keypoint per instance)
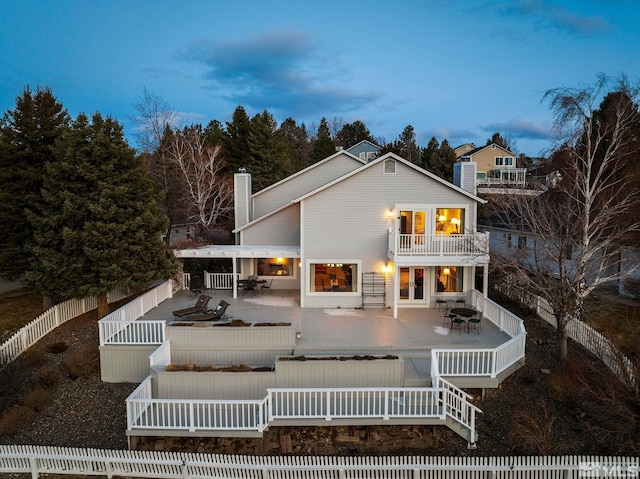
(333, 294)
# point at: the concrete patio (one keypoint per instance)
(337, 331)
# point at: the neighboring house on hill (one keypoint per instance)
(365, 150)
(325, 229)
(495, 165)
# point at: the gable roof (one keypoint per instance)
(378, 148)
(480, 148)
(395, 157)
(308, 168)
(357, 171)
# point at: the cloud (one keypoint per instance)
(277, 71)
(558, 17)
(521, 128)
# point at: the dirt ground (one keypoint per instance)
(540, 409)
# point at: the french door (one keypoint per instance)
(412, 285)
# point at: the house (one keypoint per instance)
(365, 150)
(344, 236)
(495, 165)
(330, 229)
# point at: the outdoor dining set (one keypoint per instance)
(460, 316)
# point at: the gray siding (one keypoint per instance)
(307, 180)
(348, 221)
(281, 229)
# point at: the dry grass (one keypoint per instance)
(48, 377)
(15, 419)
(85, 362)
(18, 311)
(533, 431)
(234, 368)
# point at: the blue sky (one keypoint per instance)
(459, 70)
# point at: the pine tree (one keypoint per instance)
(236, 148)
(100, 226)
(324, 145)
(27, 135)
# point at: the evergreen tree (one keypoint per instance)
(443, 161)
(409, 150)
(428, 154)
(264, 166)
(236, 144)
(99, 227)
(27, 134)
(323, 146)
(296, 139)
(353, 133)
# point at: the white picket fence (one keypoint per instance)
(580, 332)
(110, 463)
(28, 335)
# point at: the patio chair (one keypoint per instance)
(217, 314)
(266, 286)
(448, 317)
(457, 323)
(441, 303)
(475, 323)
(199, 307)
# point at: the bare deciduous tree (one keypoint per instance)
(208, 193)
(576, 232)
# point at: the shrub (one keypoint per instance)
(37, 399)
(532, 431)
(33, 357)
(48, 377)
(85, 362)
(15, 420)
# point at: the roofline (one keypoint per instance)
(386, 156)
(310, 167)
(364, 141)
(480, 148)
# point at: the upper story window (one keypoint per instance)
(449, 221)
(389, 167)
(504, 160)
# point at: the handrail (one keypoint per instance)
(438, 244)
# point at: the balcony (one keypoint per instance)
(434, 249)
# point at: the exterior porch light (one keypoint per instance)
(386, 268)
(390, 214)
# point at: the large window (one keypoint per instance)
(274, 266)
(449, 221)
(333, 277)
(449, 279)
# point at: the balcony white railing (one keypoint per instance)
(438, 245)
(219, 280)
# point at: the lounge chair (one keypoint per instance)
(214, 315)
(199, 307)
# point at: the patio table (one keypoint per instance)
(466, 313)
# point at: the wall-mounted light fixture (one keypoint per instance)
(390, 214)
(386, 268)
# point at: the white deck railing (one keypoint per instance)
(122, 326)
(442, 401)
(487, 362)
(438, 245)
(219, 280)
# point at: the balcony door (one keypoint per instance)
(412, 285)
(412, 230)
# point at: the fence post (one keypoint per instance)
(56, 314)
(192, 418)
(33, 464)
(386, 405)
